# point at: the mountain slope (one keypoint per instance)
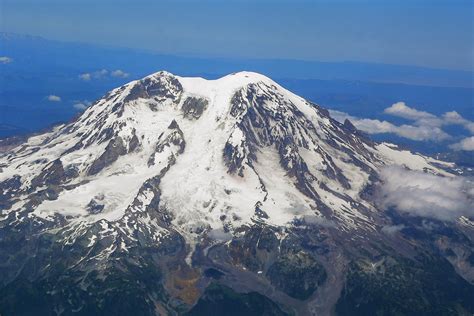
(166, 180)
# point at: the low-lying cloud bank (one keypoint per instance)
(419, 133)
(425, 126)
(426, 195)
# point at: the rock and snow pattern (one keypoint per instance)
(167, 184)
(211, 154)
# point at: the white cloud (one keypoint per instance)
(425, 126)
(466, 144)
(5, 60)
(400, 109)
(425, 195)
(85, 76)
(54, 98)
(94, 75)
(455, 118)
(420, 118)
(423, 118)
(119, 74)
(340, 116)
(81, 105)
(419, 133)
(103, 73)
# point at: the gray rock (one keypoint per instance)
(114, 149)
(194, 107)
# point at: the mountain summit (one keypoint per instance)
(169, 190)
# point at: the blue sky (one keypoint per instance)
(430, 33)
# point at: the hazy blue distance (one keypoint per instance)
(430, 33)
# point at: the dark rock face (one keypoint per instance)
(176, 138)
(8, 190)
(349, 126)
(95, 206)
(259, 212)
(352, 129)
(159, 88)
(173, 137)
(233, 159)
(114, 149)
(297, 274)
(194, 107)
(53, 174)
(134, 142)
(267, 119)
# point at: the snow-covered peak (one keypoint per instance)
(236, 175)
(232, 81)
(199, 86)
(210, 154)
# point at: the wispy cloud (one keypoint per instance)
(371, 126)
(94, 75)
(81, 105)
(103, 73)
(456, 119)
(54, 98)
(422, 118)
(119, 74)
(400, 109)
(426, 195)
(85, 76)
(466, 144)
(5, 60)
(425, 127)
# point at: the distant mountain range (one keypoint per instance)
(34, 53)
(78, 74)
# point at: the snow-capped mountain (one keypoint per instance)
(168, 184)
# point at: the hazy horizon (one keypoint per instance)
(383, 32)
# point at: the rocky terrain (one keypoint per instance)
(181, 196)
